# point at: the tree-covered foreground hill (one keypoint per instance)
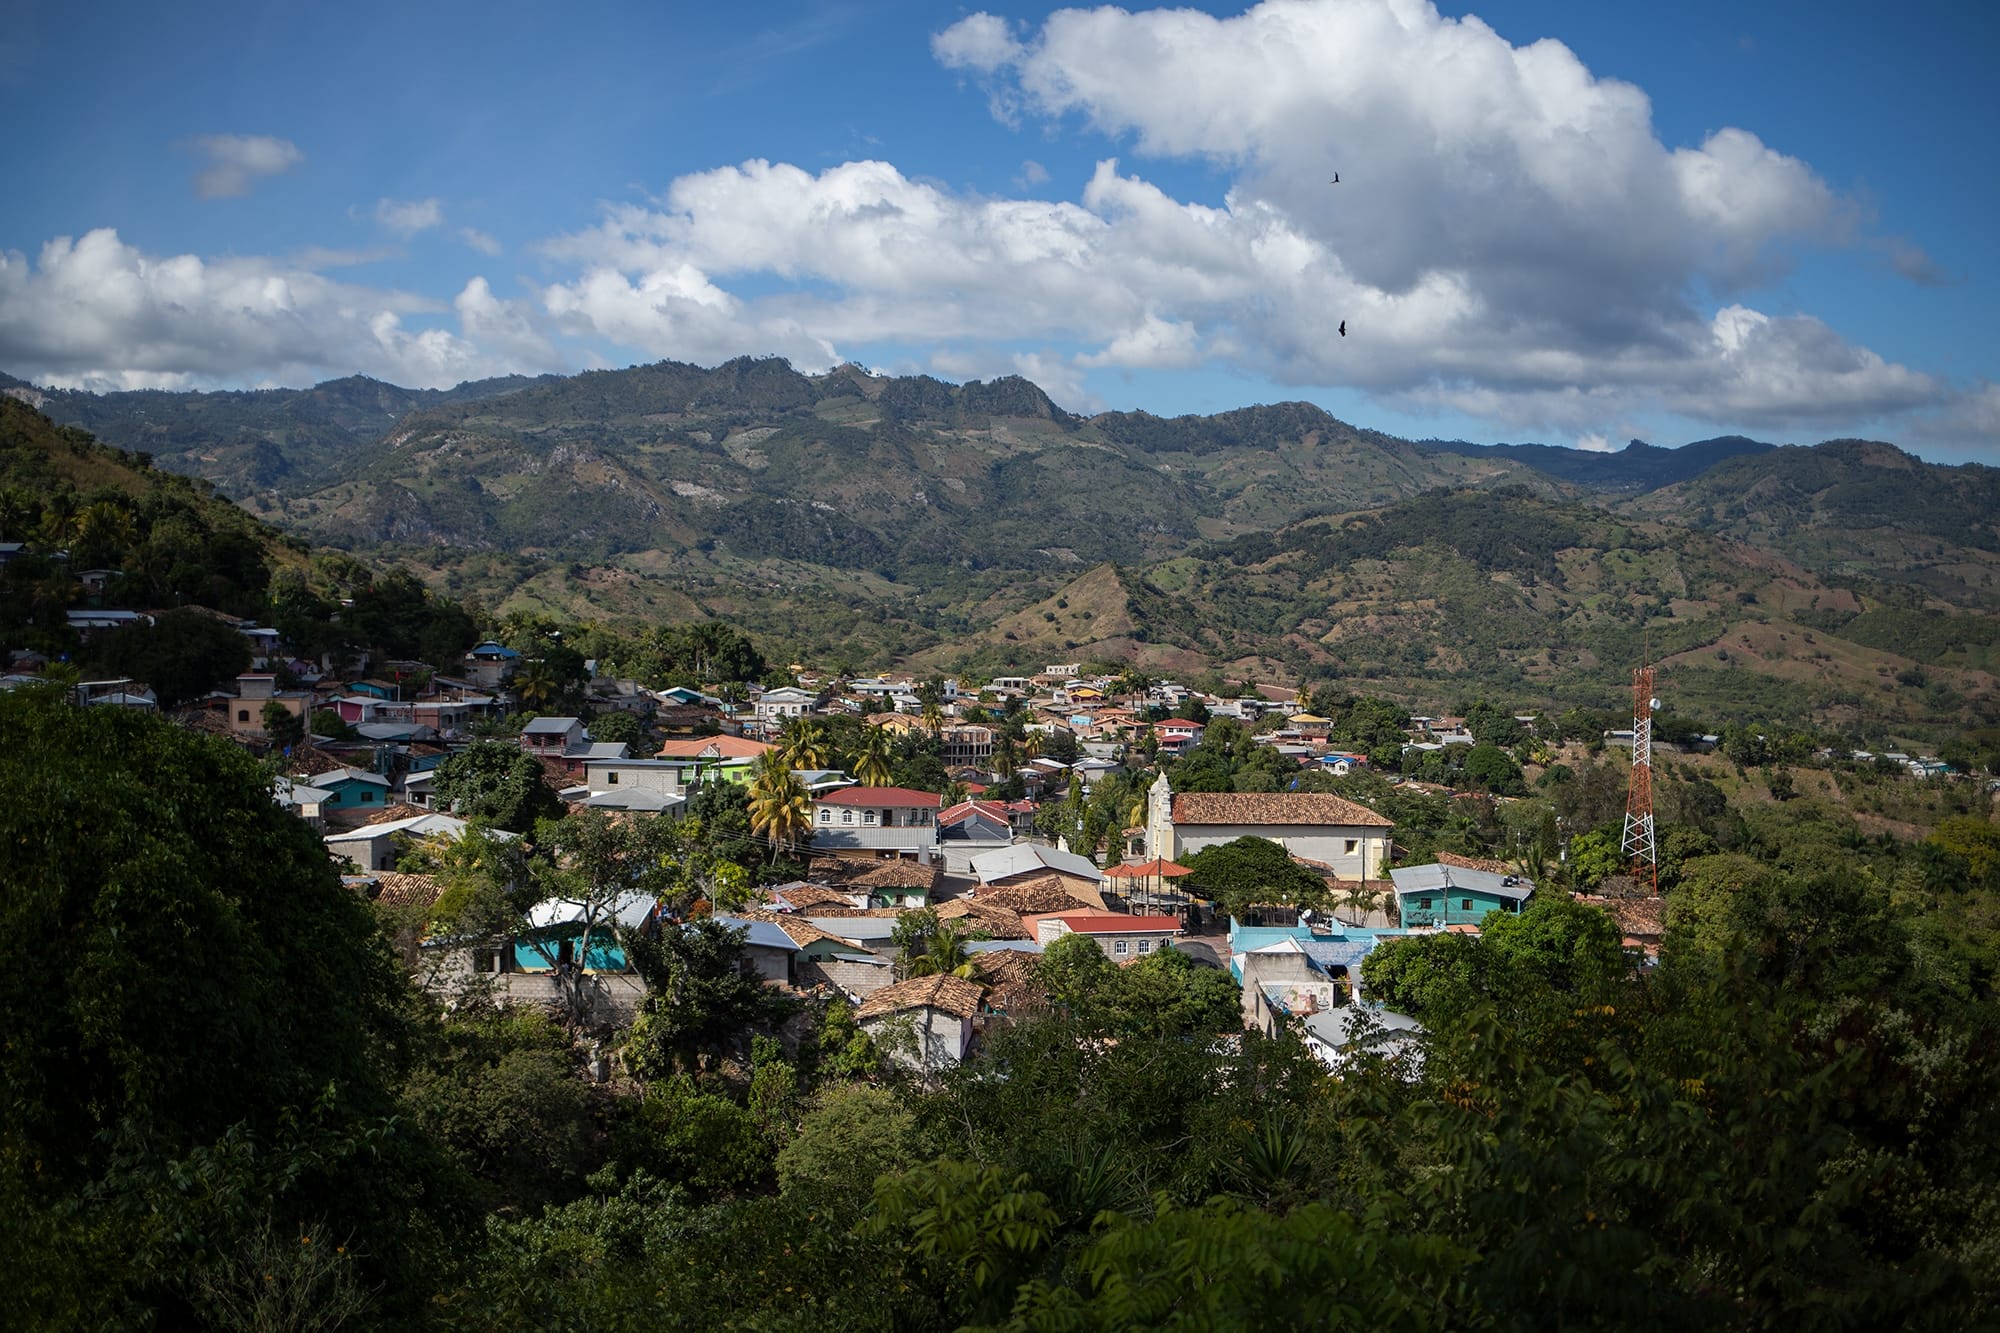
(227, 1108)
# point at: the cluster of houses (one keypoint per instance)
(877, 852)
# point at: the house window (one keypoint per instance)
(242, 715)
(1352, 843)
(1465, 904)
(1423, 904)
(1119, 947)
(368, 798)
(847, 816)
(612, 777)
(826, 816)
(868, 818)
(1145, 946)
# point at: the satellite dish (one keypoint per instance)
(1652, 703)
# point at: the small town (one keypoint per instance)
(840, 667)
(654, 921)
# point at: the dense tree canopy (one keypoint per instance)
(1247, 873)
(210, 1030)
(496, 782)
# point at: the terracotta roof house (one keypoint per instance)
(712, 747)
(1349, 838)
(1041, 893)
(990, 919)
(924, 1023)
(802, 895)
(1122, 936)
(1486, 863)
(899, 884)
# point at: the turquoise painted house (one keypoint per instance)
(1446, 895)
(352, 789)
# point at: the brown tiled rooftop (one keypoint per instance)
(1046, 894)
(900, 874)
(1301, 808)
(1474, 863)
(953, 995)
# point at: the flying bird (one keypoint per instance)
(1336, 178)
(1343, 328)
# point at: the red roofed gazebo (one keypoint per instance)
(1156, 869)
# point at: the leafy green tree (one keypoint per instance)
(1975, 839)
(852, 1135)
(1564, 944)
(1251, 872)
(701, 995)
(500, 1093)
(1432, 976)
(171, 1088)
(1593, 857)
(1491, 768)
(495, 782)
(182, 655)
(618, 729)
(326, 722)
(282, 725)
(703, 1142)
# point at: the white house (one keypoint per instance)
(1350, 840)
(779, 706)
(924, 1023)
(883, 820)
(1122, 936)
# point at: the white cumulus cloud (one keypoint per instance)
(96, 312)
(236, 161)
(407, 217)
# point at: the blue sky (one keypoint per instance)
(1562, 221)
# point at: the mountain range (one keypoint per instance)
(877, 518)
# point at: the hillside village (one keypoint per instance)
(777, 951)
(1005, 849)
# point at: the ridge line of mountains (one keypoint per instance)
(880, 519)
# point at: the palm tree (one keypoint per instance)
(780, 810)
(1360, 900)
(806, 744)
(871, 760)
(536, 685)
(933, 717)
(944, 955)
(955, 793)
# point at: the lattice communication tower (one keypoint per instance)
(1640, 847)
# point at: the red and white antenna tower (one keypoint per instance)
(1639, 845)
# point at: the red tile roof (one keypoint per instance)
(966, 809)
(900, 874)
(1118, 923)
(899, 797)
(726, 747)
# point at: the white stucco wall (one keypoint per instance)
(1314, 842)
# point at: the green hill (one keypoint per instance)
(1855, 509)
